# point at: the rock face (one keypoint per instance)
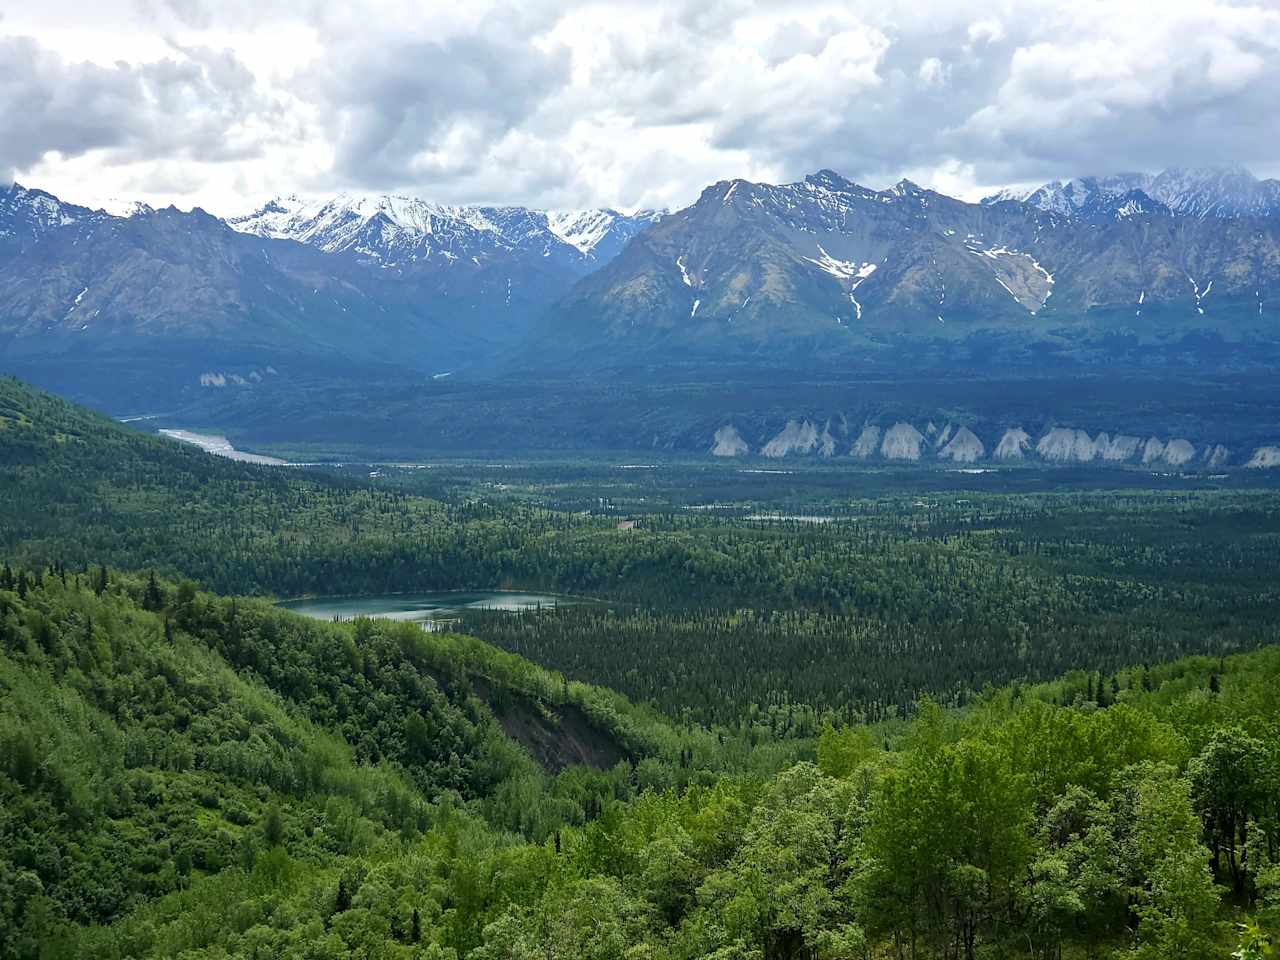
(1014, 445)
(963, 447)
(902, 441)
(1216, 455)
(905, 442)
(797, 437)
(1116, 449)
(1265, 458)
(1178, 452)
(728, 443)
(826, 442)
(1153, 450)
(1064, 445)
(868, 442)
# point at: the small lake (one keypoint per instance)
(425, 608)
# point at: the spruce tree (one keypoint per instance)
(152, 598)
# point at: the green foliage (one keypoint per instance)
(756, 624)
(224, 793)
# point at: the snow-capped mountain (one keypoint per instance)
(27, 216)
(1204, 192)
(397, 231)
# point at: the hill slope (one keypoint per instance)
(160, 800)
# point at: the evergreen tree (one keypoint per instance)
(152, 598)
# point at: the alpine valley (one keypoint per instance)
(812, 318)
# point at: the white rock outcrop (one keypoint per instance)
(1064, 445)
(1215, 455)
(964, 447)
(1014, 445)
(796, 437)
(1265, 458)
(728, 443)
(901, 442)
(868, 442)
(1179, 452)
(1153, 450)
(826, 442)
(1116, 449)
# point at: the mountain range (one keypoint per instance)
(1208, 192)
(136, 308)
(828, 272)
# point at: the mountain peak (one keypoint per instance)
(828, 180)
(1218, 191)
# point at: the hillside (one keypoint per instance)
(200, 777)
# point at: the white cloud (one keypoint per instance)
(623, 103)
(933, 72)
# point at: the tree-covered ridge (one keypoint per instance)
(722, 619)
(185, 775)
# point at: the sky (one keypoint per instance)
(225, 103)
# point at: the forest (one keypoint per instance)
(712, 615)
(187, 775)
(944, 723)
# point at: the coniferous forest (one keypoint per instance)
(954, 725)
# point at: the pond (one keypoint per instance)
(425, 608)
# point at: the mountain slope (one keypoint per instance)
(163, 305)
(825, 271)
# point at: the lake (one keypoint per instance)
(425, 608)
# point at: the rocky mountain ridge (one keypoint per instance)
(1227, 192)
(836, 273)
(395, 231)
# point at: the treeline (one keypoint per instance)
(186, 775)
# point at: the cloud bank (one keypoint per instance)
(622, 103)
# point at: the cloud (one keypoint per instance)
(1129, 89)
(404, 110)
(202, 103)
(571, 102)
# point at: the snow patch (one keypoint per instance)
(684, 273)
